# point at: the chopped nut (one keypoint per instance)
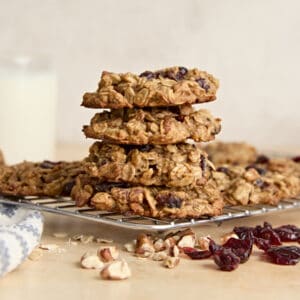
(174, 251)
(116, 270)
(203, 242)
(187, 241)
(49, 247)
(36, 254)
(86, 239)
(60, 235)
(77, 237)
(107, 254)
(104, 241)
(91, 261)
(170, 242)
(159, 245)
(171, 262)
(228, 236)
(144, 246)
(130, 247)
(161, 255)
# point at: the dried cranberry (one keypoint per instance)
(195, 253)
(225, 259)
(266, 232)
(286, 255)
(182, 71)
(260, 183)
(223, 170)
(262, 244)
(240, 247)
(68, 188)
(169, 200)
(180, 118)
(148, 75)
(288, 233)
(202, 163)
(47, 164)
(202, 83)
(243, 232)
(260, 171)
(296, 159)
(262, 159)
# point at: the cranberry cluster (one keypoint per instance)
(236, 251)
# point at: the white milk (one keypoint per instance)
(27, 110)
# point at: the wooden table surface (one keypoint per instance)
(57, 275)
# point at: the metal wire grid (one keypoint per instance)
(67, 207)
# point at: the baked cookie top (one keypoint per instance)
(46, 178)
(153, 125)
(231, 153)
(167, 87)
(159, 165)
(266, 181)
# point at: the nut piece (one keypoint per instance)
(159, 245)
(130, 247)
(144, 246)
(159, 256)
(203, 242)
(170, 242)
(49, 247)
(174, 251)
(187, 241)
(228, 236)
(104, 241)
(107, 254)
(85, 239)
(36, 254)
(116, 270)
(171, 262)
(91, 261)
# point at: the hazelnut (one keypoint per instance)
(159, 256)
(90, 261)
(144, 246)
(171, 262)
(107, 254)
(116, 270)
(159, 245)
(130, 247)
(187, 241)
(228, 236)
(203, 242)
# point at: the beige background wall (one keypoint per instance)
(252, 46)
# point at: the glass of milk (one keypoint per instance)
(28, 92)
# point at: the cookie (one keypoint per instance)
(39, 179)
(255, 184)
(231, 153)
(153, 126)
(157, 202)
(168, 87)
(159, 165)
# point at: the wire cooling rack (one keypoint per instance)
(67, 207)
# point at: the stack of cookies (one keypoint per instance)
(142, 162)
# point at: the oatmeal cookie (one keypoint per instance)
(159, 165)
(168, 87)
(158, 202)
(254, 184)
(39, 179)
(231, 153)
(153, 126)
